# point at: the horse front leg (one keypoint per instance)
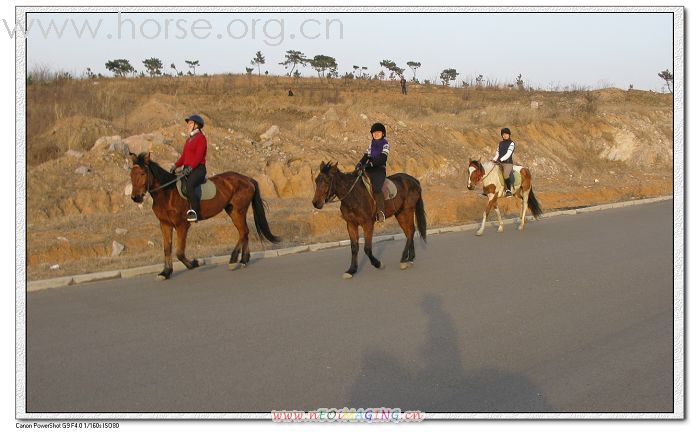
(500, 220)
(167, 231)
(181, 243)
(354, 234)
(368, 229)
(492, 202)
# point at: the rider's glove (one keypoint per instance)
(186, 171)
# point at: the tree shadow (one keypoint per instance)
(443, 385)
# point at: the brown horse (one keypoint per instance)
(491, 176)
(358, 208)
(234, 194)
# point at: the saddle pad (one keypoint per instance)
(388, 188)
(517, 182)
(208, 190)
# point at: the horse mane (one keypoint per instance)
(162, 175)
(476, 163)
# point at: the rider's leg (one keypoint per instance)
(196, 177)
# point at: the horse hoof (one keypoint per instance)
(234, 266)
(500, 229)
(381, 266)
(347, 276)
(406, 265)
(161, 277)
(195, 264)
(520, 228)
(478, 233)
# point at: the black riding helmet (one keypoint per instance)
(505, 130)
(197, 119)
(378, 127)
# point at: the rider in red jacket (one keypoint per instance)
(193, 161)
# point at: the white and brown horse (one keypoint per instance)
(491, 176)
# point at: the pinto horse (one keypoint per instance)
(491, 176)
(358, 208)
(234, 194)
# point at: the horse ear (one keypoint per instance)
(147, 158)
(323, 164)
(335, 165)
(133, 157)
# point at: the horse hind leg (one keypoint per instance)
(407, 224)
(526, 195)
(238, 217)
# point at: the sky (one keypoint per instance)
(548, 49)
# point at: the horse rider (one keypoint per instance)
(373, 162)
(194, 164)
(504, 156)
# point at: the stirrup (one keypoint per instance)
(380, 216)
(509, 193)
(191, 216)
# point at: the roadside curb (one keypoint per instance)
(65, 281)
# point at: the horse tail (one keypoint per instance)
(261, 225)
(420, 214)
(533, 204)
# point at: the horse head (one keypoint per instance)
(475, 174)
(324, 184)
(139, 176)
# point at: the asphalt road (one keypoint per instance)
(575, 314)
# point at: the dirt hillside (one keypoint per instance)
(582, 147)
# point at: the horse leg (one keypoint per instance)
(500, 220)
(167, 231)
(368, 229)
(354, 234)
(526, 195)
(181, 231)
(407, 224)
(489, 206)
(239, 220)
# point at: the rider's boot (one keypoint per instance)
(379, 198)
(509, 193)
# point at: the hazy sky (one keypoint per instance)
(589, 49)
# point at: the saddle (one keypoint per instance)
(208, 189)
(388, 188)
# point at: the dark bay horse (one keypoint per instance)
(358, 209)
(234, 194)
(491, 177)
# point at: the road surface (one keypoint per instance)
(575, 314)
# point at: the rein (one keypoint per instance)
(331, 200)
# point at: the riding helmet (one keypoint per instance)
(505, 130)
(197, 119)
(378, 127)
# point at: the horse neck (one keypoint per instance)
(155, 184)
(490, 173)
(343, 183)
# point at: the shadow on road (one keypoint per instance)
(442, 385)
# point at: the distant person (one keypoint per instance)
(373, 162)
(290, 93)
(193, 163)
(403, 85)
(504, 156)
